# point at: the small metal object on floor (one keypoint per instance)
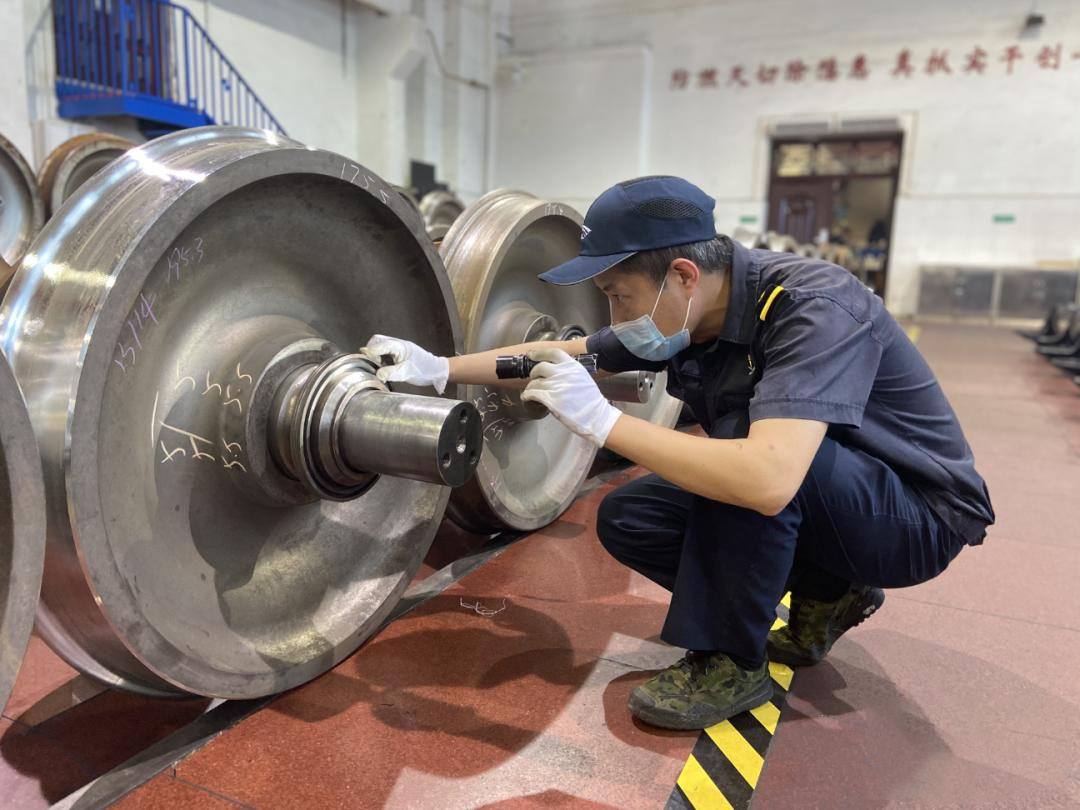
(723, 769)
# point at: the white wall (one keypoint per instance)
(14, 109)
(975, 146)
(294, 54)
(571, 124)
(334, 72)
(338, 74)
(581, 99)
(468, 103)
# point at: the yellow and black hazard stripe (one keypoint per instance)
(723, 769)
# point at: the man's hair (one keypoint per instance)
(712, 256)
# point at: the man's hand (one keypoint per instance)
(565, 388)
(412, 365)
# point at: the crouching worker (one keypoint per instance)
(832, 466)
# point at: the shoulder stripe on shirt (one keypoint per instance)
(772, 293)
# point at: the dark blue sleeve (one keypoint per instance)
(612, 356)
(820, 363)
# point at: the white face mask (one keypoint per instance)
(643, 338)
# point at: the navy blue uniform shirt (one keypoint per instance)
(804, 339)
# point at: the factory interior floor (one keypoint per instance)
(506, 683)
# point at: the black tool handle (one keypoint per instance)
(520, 366)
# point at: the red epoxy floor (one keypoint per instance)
(509, 689)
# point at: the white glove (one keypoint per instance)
(412, 365)
(565, 388)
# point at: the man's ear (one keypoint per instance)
(688, 273)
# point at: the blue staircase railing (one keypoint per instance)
(150, 59)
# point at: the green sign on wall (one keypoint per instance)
(1004, 219)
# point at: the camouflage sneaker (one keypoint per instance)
(815, 626)
(700, 691)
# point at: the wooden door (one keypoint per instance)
(800, 207)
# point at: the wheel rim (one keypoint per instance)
(22, 212)
(74, 162)
(440, 208)
(22, 528)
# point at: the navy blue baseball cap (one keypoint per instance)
(642, 214)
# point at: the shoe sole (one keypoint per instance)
(863, 610)
(646, 712)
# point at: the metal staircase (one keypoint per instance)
(150, 59)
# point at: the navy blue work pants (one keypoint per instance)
(853, 520)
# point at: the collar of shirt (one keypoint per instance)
(745, 274)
